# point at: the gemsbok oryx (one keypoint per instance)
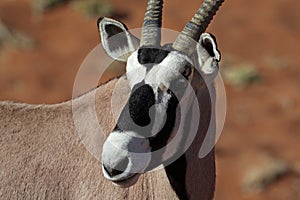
(43, 156)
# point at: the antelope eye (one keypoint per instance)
(186, 71)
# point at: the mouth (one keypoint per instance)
(123, 181)
(127, 182)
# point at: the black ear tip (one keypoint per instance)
(99, 20)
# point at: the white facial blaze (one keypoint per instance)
(159, 78)
(161, 113)
(162, 74)
(135, 72)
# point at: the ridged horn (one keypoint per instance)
(191, 33)
(151, 31)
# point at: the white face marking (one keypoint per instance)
(160, 114)
(159, 76)
(162, 74)
(135, 72)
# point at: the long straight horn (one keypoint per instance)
(151, 31)
(194, 28)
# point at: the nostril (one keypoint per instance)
(118, 169)
(112, 172)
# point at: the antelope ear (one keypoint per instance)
(208, 55)
(116, 40)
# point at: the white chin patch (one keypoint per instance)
(120, 145)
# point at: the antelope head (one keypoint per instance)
(159, 78)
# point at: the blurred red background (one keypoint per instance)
(258, 152)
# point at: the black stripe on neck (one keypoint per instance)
(176, 173)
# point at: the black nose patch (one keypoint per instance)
(136, 114)
(150, 55)
(140, 102)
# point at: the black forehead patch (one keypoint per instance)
(151, 55)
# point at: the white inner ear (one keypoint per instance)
(208, 64)
(119, 46)
(206, 36)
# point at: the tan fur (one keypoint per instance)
(42, 156)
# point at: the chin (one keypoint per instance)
(128, 182)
